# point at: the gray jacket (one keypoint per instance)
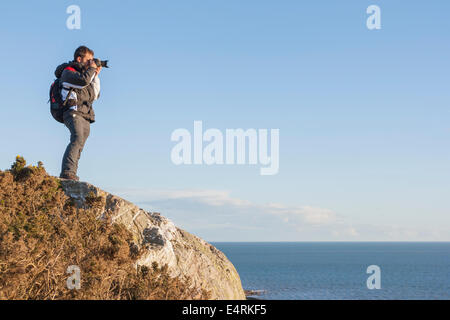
(75, 76)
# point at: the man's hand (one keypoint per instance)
(98, 69)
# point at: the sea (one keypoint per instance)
(342, 270)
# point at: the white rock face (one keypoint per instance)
(184, 253)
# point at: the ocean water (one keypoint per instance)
(338, 270)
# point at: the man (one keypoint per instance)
(80, 82)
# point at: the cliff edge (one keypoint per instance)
(51, 227)
(164, 243)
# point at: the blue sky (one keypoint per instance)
(363, 115)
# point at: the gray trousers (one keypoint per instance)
(79, 132)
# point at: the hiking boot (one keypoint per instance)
(69, 176)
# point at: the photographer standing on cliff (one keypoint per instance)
(80, 86)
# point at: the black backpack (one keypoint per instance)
(57, 105)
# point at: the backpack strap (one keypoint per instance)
(67, 97)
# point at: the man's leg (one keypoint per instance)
(79, 132)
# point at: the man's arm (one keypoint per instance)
(72, 78)
(91, 92)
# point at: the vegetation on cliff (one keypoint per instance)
(42, 233)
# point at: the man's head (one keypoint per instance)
(83, 55)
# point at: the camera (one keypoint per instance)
(101, 63)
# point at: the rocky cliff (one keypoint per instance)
(164, 243)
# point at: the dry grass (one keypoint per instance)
(42, 233)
